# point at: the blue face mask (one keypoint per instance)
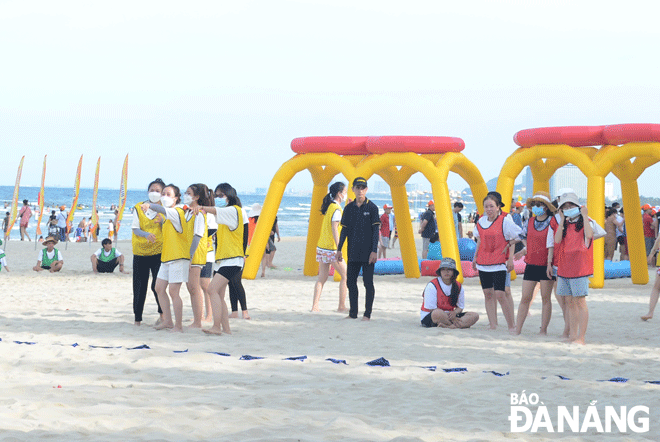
(538, 211)
(570, 213)
(220, 201)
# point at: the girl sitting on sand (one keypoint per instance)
(444, 300)
(175, 257)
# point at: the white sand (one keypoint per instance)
(156, 394)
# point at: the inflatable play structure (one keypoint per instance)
(395, 159)
(625, 150)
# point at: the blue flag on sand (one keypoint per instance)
(218, 353)
(295, 358)
(563, 378)
(430, 368)
(381, 362)
(25, 342)
(181, 351)
(249, 358)
(496, 373)
(653, 382)
(102, 346)
(455, 370)
(337, 361)
(140, 347)
(619, 380)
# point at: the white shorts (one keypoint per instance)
(174, 271)
(385, 241)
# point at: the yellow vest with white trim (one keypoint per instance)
(199, 258)
(142, 246)
(230, 242)
(176, 245)
(326, 239)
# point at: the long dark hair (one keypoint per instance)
(335, 189)
(455, 291)
(578, 225)
(230, 193)
(204, 194)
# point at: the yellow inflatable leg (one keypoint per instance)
(596, 206)
(635, 232)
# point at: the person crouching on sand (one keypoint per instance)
(49, 258)
(107, 258)
(444, 300)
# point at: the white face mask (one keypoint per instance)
(167, 201)
(154, 197)
(187, 199)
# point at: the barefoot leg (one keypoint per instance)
(491, 307)
(653, 300)
(164, 301)
(324, 269)
(340, 267)
(196, 296)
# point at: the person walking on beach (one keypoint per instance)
(650, 225)
(147, 240)
(49, 258)
(175, 258)
(384, 232)
(494, 258)
(444, 300)
(655, 291)
(229, 256)
(326, 248)
(107, 258)
(539, 242)
(360, 224)
(61, 223)
(25, 213)
(427, 227)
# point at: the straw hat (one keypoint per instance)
(49, 239)
(447, 263)
(543, 198)
(255, 210)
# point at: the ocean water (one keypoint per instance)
(292, 215)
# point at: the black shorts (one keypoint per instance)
(428, 322)
(207, 270)
(621, 239)
(536, 273)
(228, 272)
(496, 280)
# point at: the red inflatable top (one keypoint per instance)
(338, 145)
(576, 136)
(413, 144)
(628, 133)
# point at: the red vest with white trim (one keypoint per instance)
(575, 259)
(443, 302)
(537, 250)
(491, 243)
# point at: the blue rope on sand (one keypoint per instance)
(380, 362)
(295, 358)
(337, 361)
(249, 358)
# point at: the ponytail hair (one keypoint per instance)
(455, 291)
(335, 189)
(230, 193)
(200, 190)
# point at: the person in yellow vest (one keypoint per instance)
(175, 258)
(229, 255)
(326, 248)
(147, 246)
(197, 195)
(49, 258)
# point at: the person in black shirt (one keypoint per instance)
(427, 227)
(360, 224)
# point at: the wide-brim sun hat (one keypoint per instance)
(255, 210)
(569, 197)
(447, 263)
(49, 239)
(543, 198)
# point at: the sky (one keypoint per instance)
(214, 91)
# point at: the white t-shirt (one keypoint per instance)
(431, 297)
(61, 219)
(50, 255)
(211, 223)
(136, 219)
(106, 254)
(511, 231)
(3, 260)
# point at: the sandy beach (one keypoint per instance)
(73, 368)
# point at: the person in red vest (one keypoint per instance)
(575, 262)
(494, 258)
(444, 300)
(539, 243)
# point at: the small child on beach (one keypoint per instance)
(3, 259)
(444, 300)
(49, 258)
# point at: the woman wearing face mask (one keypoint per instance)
(197, 195)
(147, 247)
(539, 241)
(494, 258)
(175, 258)
(229, 255)
(326, 248)
(574, 258)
